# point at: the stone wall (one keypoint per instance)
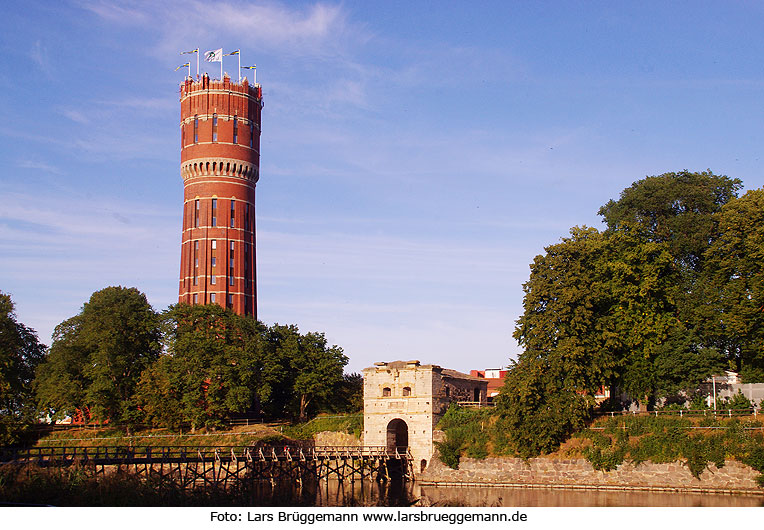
(336, 439)
(579, 472)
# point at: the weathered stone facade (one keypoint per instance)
(734, 476)
(404, 400)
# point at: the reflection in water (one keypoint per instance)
(328, 493)
(400, 493)
(513, 497)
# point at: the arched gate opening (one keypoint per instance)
(397, 434)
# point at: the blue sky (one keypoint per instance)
(416, 156)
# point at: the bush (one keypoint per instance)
(739, 402)
(467, 432)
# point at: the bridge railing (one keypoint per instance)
(43, 455)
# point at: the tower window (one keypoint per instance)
(214, 212)
(215, 127)
(406, 391)
(196, 262)
(196, 128)
(233, 210)
(213, 261)
(196, 213)
(251, 135)
(235, 130)
(246, 264)
(214, 244)
(213, 279)
(230, 265)
(212, 298)
(230, 300)
(196, 298)
(246, 216)
(386, 392)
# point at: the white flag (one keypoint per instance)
(214, 56)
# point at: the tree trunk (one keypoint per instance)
(304, 400)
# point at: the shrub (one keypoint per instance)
(467, 432)
(739, 402)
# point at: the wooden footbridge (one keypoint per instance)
(225, 466)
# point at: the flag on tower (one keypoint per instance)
(254, 74)
(192, 51)
(182, 66)
(214, 56)
(235, 52)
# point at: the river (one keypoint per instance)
(398, 493)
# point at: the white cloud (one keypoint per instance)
(39, 54)
(314, 30)
(75, 115)
(39, 165)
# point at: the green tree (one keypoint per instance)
(310, 368)
(733, 285)
(218, 364)
(349, 394)
(213, 368)
(564, 305)
(20, 353)
(537, 410)
(674, 208)
(318, 371)
(597, 308)
(97, 357)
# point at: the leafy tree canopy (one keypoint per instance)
(733, 285)
(20, 353)
(219, 364)
(675, 208)
(213, 367)
(97, 356)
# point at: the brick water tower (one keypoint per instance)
(220, 165)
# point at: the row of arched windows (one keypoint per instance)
(388, 392)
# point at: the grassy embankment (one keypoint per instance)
(609, 442)
(238, 436)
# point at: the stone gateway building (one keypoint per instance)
(404, 400)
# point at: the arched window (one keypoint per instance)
(235, 130)
(386, 392)
(406, 391)
(215, 127)
(196, 128)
